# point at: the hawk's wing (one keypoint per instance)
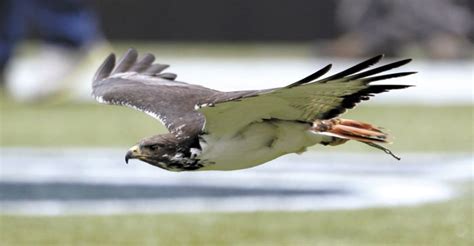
(142, 85)
(306, 100)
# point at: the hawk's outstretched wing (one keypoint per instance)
(140, 84)
(305, 100)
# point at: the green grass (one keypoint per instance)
(72, 124)
(448, 223)
(415, 128)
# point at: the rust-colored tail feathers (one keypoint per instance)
(344, 129)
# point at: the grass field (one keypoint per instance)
(448, 223)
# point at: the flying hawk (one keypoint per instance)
(215, 130)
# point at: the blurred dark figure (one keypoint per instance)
(66, 27)
(440, 28)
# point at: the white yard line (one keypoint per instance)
(305, 182)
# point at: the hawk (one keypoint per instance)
(215, 130)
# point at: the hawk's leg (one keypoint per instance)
(343, 130)
(350, 130)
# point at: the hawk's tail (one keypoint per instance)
(342, 130)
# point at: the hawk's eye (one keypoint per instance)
(155, 147)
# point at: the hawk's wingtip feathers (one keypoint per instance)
(129, 63)
(143, 64)
(354, 69)
(105, 69)
(352, 73)
(387, 76)
(311, 77)
(380, 69)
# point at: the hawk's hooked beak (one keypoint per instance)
(132, 153)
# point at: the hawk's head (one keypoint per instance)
(156, 150)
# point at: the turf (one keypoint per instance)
(448, 223)
(415, 128)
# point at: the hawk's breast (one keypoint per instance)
(255, 144)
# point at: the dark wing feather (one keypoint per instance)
(354, 69)
(141, 85)
(155, 69)
(311, 77)
(128, 59)
(387, 76)
(105, 69)
(380, 69)
(305, 100)
(143, 64)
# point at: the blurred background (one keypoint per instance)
(62, 176)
